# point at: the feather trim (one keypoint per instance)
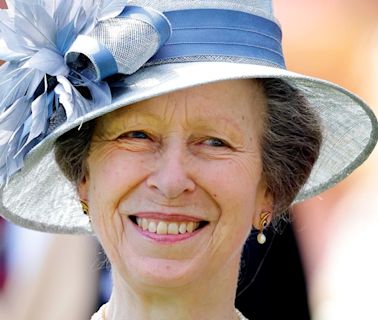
(34, 36)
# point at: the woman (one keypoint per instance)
(178, 128)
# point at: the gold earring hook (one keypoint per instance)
(85, 207)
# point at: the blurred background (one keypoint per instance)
(337, 233)
(43, 276)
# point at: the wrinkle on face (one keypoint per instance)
(228, 185)
(191, 108)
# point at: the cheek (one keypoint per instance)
(240, 194)
(114, 171)
(112, 174)
(234, 187)
(235, 180)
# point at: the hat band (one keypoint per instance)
(220, 32)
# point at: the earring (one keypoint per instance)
(261, 238)
(85, 207)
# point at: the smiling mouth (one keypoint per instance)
(167, 227)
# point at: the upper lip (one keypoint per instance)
(179, 217)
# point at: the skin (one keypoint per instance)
(194, 154)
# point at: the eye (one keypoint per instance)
(216, 142)
(134, 135)
(138, 141)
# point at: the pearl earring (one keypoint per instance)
(261, 238)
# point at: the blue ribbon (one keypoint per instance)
(100, 57)
(195, 32)
(102, 62)
(201, 32)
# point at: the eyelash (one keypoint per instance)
(217, 143)
(208, 141)
(137, 134)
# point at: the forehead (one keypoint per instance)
(234, 100)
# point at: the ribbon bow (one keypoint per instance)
(58, 54)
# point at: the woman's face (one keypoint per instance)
(175, 182)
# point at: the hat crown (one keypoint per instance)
(193, 31)
(258, 7)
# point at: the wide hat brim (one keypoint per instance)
(40, 197)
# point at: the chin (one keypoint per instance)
(161, 273)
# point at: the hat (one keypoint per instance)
(61, 60)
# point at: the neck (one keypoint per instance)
(210, 298)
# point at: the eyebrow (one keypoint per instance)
(121, 122)
(153, 116)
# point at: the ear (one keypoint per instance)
(264, 204)
(82, 188)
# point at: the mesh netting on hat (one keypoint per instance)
(260, 7)
(131, 42)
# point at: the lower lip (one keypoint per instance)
(167, 238)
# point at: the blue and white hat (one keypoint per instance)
(59, 51)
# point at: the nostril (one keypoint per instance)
(171, 184)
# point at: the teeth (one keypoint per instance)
(190, 227)
(182, 228)
(173, 228)
(164, 227)
(144, 224)
(152, 227)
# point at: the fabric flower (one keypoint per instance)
(35, 81)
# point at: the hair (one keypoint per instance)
(72, 150)
(290, 144)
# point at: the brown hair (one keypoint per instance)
(290, 144)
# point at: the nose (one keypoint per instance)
(170, 177)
